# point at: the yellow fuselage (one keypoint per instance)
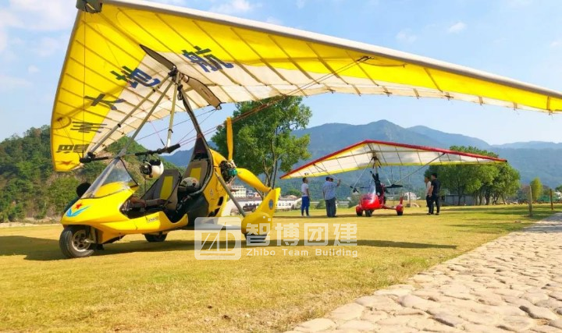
(103, 213)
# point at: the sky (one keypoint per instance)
(520, 39)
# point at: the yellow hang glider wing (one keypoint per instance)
(369, 153)
(106, 73)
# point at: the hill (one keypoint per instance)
(29, 187)
(448, 139)
(532, 159)
(530, 145)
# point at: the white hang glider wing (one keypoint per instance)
(106, 73)
(369, 153)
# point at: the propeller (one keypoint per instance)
(229, 138)
(244, 175)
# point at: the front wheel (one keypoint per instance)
(359, 213)
(74, 242)
(155, 238)
(399, 213)
(368, 213)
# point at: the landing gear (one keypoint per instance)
(368, 213)
(155, 238)
(399, 213)
(75, 243)
(359, 213)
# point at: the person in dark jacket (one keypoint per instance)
(435, 189)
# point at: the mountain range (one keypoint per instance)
(532, 159)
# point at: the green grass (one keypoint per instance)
(137, 286)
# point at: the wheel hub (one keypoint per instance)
(80, 241)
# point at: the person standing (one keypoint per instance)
(428, 195)
(435, 189)
(329, 193)
(305, 197)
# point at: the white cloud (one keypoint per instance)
(456, 28)
(171, 2)
(32, 69)
(41, 15)
(8, 18)
(274, 20)
(33, 15)
(301, 3)
(556, 43)
(17, 41)
(518, 3)
(48, 46)
(10, 82)
(235, 7)
(406, 36)
(3, 39)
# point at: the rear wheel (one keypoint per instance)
(359, 213)
(399, 213)
(368, 213)
(74, 242)
(155, 238)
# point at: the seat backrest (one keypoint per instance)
(165, 188)
(197, 169)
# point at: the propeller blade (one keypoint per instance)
(249, 178)
(229, 138)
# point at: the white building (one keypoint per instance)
(249, 204)
(410, 196)
(239, 191)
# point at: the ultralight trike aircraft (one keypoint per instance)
(371, 154)
(130, 63)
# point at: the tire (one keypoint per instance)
(368, 213)
(155, 238)
(399, 213)
(73, 243)
(359, 213)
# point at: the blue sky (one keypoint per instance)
(521, 39)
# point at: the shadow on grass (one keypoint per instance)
(38, 249)
(539, 212)
(323, 217)
(492, 228)
(33, 248)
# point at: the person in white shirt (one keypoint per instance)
(428, 195)
(305, 196)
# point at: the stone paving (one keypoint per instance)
(512, 284)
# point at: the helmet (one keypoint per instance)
(152, 169)
(189, 185)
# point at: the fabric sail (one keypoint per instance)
(369, 153)
(106, 73)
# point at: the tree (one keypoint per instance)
(536, 187)
(505, 184)
(460, 180)
(263, 142)
(62, 191)
(293, 191)
(486, 183)
(559, 188)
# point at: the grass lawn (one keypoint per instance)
(138, 286)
